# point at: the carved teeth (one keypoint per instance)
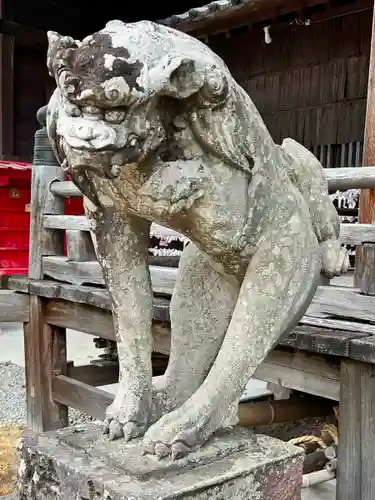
(115, 170)
(65, 165)
(165, 252)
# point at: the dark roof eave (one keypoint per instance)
(226, 14)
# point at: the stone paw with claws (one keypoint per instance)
(177, 434)
(123, 421)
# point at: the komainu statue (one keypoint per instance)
(152, 127)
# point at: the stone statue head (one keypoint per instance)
(105, 112)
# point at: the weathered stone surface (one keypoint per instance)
(152, 127)
(79, 464)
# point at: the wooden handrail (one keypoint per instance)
(338, 179)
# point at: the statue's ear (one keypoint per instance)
(59, 50)
(177, 77)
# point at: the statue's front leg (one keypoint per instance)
(121, 243)
(277, 289)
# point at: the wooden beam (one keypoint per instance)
(45, 356)
(350, 234)
(338, 179)
(243, 14)
(312, 374)
(24, 35)
(367, 197)
(86, 398)
(349, 472)
(357, 432)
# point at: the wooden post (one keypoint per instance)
(356, 478)
(45, 357)
(367, 198)
(349, 469)
(45, 346)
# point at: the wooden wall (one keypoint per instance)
(32, 89)
(310, 83)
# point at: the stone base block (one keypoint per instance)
(79, 463)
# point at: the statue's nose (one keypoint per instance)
(85, 132)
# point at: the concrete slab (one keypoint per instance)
(79, 462)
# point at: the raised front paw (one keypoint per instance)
(335, 258)
(126, 418)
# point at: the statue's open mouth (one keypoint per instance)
(106, 170)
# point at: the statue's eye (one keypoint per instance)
(132, 140)
(72, 109)
(92, 111)
(114, 116)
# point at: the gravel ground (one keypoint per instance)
(12, 394)
(13, 397)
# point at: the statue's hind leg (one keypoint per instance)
(278, 286)
(201, 307)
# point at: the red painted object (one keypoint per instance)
(15, 193)
(15, 190)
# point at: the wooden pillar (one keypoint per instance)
(367, 198)
(356, 478)
(6, 86)
(45, 345)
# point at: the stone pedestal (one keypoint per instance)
(79, 463)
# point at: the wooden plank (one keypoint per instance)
(367, 278)
(340, 179)
(66, 189)
(14, 307)
(240, 15)
(322, 340)
(367, 197)
(363, 349)
(80, 223)
(356, 234)
(44, 241)
(334, 301)
(94, 375)
(350, 178)
(80, 273)
(66, 222)
(96, 322)
(313, 375)
(367, 405)
(104, 372)
(349, 466)
(350, 234)
(92, 296)
(80, 247)
(83, 397)
(315, 334)
(339, 324)
(79, 317)
(342, 303)
(45, 355)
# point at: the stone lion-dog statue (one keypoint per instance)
(152, 127)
